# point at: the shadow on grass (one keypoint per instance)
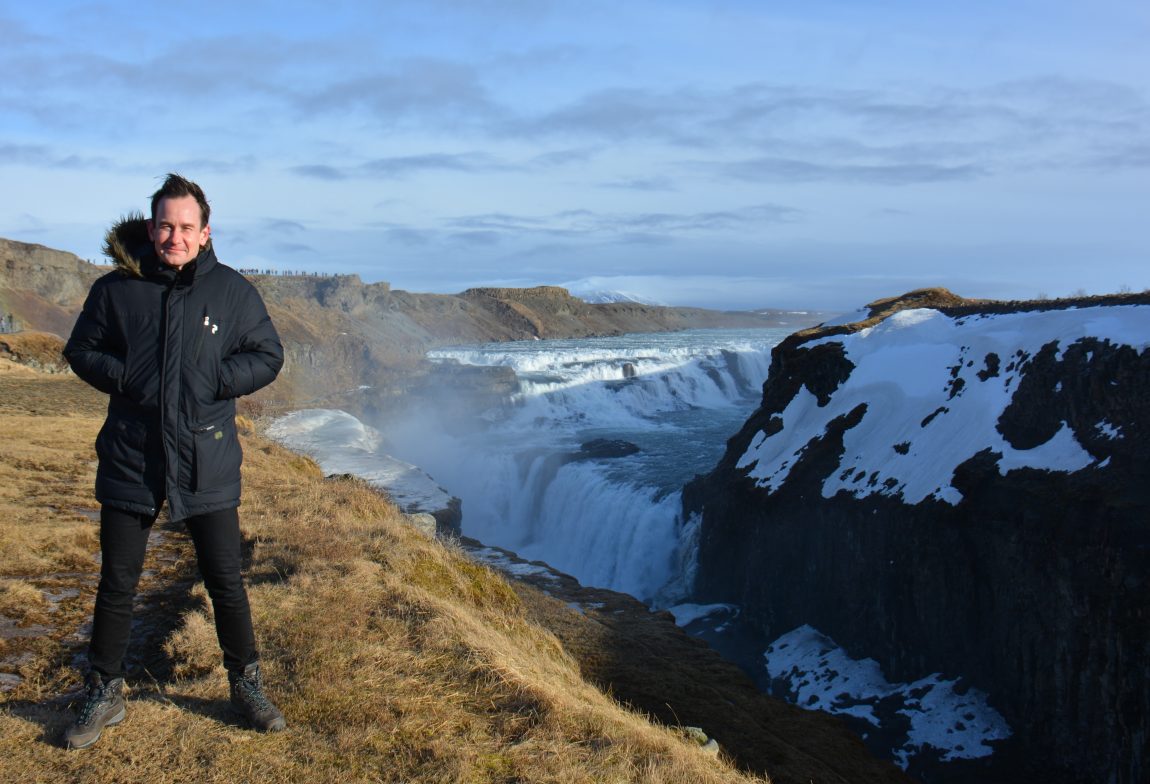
(646, 662)
(53, 716)
(164, 599)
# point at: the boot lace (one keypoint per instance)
(98, 696)
(253, 693)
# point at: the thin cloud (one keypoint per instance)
(539, 58)
(283, 225)
(1031, 122)
(26, 223)
(642, 238)
(222, 69)
(790, 170)
(477, 237)
(420, 90)
(567, 231)
(623, 113)
(243, 163)
(401, 166)
(15, 35)
(408, 164)
(1119, 158)
(293, 248)
(564, 157)
(45, 156)
(320, 171)
(499, 221)
(408, 236)
(629, 227)
(811, 134)
(649, 184)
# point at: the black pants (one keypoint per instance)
(123, 540)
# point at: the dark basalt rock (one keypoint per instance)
(600, 448)
(1035, 587)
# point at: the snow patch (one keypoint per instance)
(934, 394)
(1061, 453)
(818, 674)
(774, 457)
(686, 614)
(1107, 430)
(508, 564)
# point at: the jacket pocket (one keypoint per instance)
(121, 446)
(218, 456)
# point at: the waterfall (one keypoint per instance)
(583, 467)
(532, 480)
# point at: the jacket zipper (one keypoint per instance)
(167, 311)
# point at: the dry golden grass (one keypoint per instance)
(49, 534)
(393, 656)
(46, 497)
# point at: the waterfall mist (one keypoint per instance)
(582, 467)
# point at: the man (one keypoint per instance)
(174, 337)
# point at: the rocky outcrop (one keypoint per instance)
(40, 350)
(41, 287)
(959, 489)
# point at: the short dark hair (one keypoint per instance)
(176, 187)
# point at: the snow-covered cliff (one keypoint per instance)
(959, 489)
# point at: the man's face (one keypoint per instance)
(176, 231)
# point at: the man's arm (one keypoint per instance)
(258, 356)
(92, 351)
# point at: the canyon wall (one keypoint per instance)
(959, 488)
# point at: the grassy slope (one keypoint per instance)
(395, 658)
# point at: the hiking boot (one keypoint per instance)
(103, 707)
(249, 700)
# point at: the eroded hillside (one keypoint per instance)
(361, 345)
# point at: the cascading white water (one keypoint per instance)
(610, 521)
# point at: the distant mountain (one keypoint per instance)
(954, 487)
(348, 341)
(603, 297)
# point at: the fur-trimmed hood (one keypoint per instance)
(128, 246)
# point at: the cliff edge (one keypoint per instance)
(959, 487)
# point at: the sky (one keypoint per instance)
(729, 154)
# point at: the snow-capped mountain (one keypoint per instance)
(604, 297)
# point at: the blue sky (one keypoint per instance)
(727, 154)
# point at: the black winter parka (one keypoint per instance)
(173, 349)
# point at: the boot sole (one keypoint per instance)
(112, 722)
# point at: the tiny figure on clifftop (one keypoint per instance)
(174, 337)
